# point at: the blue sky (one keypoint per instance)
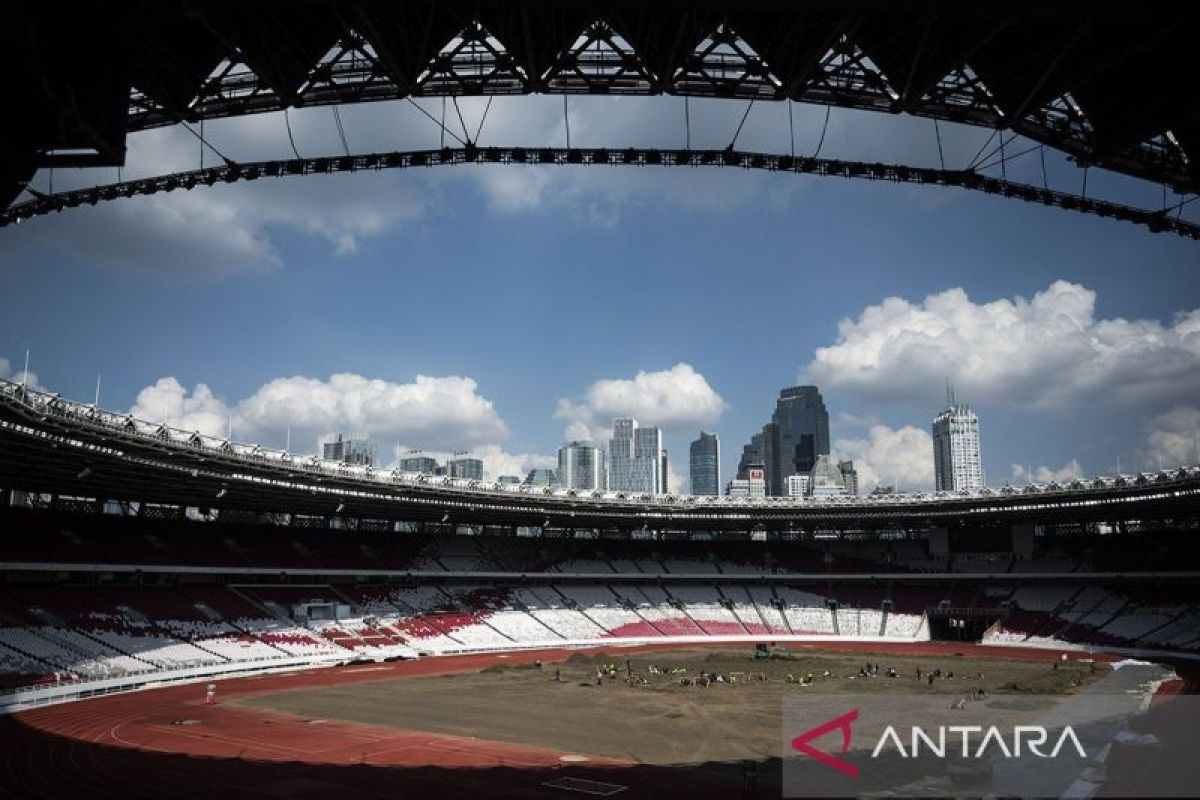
(536, 285)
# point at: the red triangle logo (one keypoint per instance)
(842, 723)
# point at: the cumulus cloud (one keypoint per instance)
(674, 399)
(1047, 352)
(1173, 439)
(890, 456)
(434, 412)
(1022, 473)
(10, 373)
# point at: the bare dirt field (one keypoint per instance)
(653, 718)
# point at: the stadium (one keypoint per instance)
(190, 614)
(122, 577)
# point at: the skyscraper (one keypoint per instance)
(705, 464)
(645, 474)
(791, 442)
(541, 477)
(957, 462)
(359, 452)
(469, 468)
(849, 476)
(422, 464)
(581, 466)
(753, 485)
(826, 478)
(636, 459)
(620, 454)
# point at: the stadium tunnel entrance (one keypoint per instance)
(960, 624)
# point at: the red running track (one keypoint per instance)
(133, 745)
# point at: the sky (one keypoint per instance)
(506, 309)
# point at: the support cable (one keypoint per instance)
(791, 129)
(434, 120)
(1179, 206)
(287, 121)
(982, 147)
(337, 118)
(937, 131)
(687, 123)
(567, 121)
(482, 119)
(1083, 194)
(442, 134)
(740, 124)
(1001, 161)
(461, 121)
(1045, 182)
(206, 143)
(824, 129)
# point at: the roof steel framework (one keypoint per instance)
(1156, 221)
(1114, 90)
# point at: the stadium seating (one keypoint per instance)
(213, 615)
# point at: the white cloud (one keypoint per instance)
(1173, 439)
(1048, 352)
(434, 412)
(18, 375)
(168, 401)
(1043, 474)
(673, 399)
(889, 456)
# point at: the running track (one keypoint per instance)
(133, 745)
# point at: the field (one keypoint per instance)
(659, 721)
(496, 725)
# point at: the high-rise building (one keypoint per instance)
(791, 442)
(509, 480)
(753, 485)
(620, 454)
(957, 463)
(423, 464)
(544, 478)
(469, 468)
(581, 466)
(636, 460)
(645, 474)
(849, 476)
(705, 464)
(797, 485)
(826, 479)
(664, 481)
(358, 452)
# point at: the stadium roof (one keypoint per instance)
(1115, 90)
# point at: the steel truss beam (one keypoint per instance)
(1157, 221)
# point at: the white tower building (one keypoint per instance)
(581, 466)
(620, 454)
(957, 463)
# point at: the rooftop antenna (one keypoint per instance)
(949, 393)
(287, 448)
(96, 405)
(1118, 466)
(229, 434)
(25, 374)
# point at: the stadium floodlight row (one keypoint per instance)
(66, 448)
